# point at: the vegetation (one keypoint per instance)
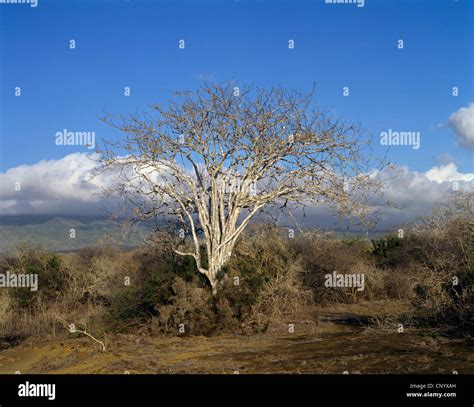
(152, 290)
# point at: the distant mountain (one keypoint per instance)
(54, 232)
(57, 233)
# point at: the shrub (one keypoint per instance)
(461, 309)
(188, 311)
(445, 246)
(388, 251)
(156, 272)
(323, 254)
(51, 277)
(269, 275)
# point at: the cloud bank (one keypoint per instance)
(61, 187)
(52, 187)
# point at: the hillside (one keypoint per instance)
(53, 233)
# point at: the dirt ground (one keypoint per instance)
(332, 340)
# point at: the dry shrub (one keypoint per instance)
(284, 292)
(322, 254)
(26, 312)
(38, 321)
(431, 295)
(6, 315)
(270, 279)
(188, 309)
(95, 273)
(444, 242)
(398, 283)
(72, 288)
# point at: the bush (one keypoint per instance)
(389, 251)
(51, 278)
(323, 254)
(263, 279)
(445, 246)
(157, 269)
(461, 309)
(264, 276)
(189, 310)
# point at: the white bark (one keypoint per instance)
(200, 158)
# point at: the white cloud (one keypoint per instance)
(462, 122)
(415, 194)
(52, 187)
(60, 187)
(448, 172)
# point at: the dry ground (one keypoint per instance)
(329, 340)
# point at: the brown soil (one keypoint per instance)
(331, 340)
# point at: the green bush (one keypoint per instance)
(156, 275)
(389, 251)
(51, 279)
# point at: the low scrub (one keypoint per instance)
(152, 290)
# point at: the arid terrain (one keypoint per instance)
(284, 305)
(332, 340)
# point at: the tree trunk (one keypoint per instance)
(217, 258)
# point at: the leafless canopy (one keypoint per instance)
(216, 157)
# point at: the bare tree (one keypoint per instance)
(216, 157)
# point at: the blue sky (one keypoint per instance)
(135, 43)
